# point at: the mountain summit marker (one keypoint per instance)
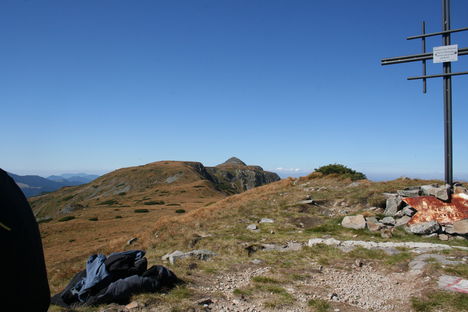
(444, 54)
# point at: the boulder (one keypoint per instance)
(402, 221)
(393, 204)
(200, 254)
(458, 227)
(409, 211)
(410, 192)
(424, 227)
(388, 221)
(354, 222)
(266, 220)
(373, 224)
(252, 227)
(441, 192)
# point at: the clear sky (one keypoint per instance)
(103, 84)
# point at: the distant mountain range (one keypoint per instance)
(33, 185)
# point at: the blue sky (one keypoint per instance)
(99, 85)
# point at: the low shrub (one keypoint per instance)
(93, 219)
(66, 218)
(180, 211)
(109, 202)
(341, 170)
(141, 210)
(154, 202)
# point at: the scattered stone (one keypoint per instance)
(373, 224)
(424, 227)
(256, 261)
(200, 254)
(354, 222)
(132, 240)
(359, 263)
(204, 301)
(453, 283)
(305, 202)
(459, 189)
(388, 221)
(410, 192)
(460, 227)
(402, 221)
(252, 227)
(409, 211)
(415, 246)
(393, 204)
(444, 237)
(266, 220)
(386, 233)
(441, 192)
(132, 305)
(418, 263)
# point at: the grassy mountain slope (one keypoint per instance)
(289, 280)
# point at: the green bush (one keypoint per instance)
(93, 219)
(141, 210)
(341, 170)
(180, 211)
(154, 202)
(68, 197)
(44, 220)
(109, 202)
(122, 193)
(118, 217)
(66, 218)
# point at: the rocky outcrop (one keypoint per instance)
(234, 176)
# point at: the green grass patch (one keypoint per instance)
(319, 305)
(449, 301)
(265, 280)
(66, 218)
(398, 258)
(459, 270)
(141, 210)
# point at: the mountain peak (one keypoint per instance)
(234, 161)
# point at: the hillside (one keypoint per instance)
(266, 265)
(164, 183)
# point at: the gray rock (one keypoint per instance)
(441, 192)
(459, 227)
(252, 227)
(453, 283)
(305, 202)
(409, 211)
(266, 220)
(354, 222)
(388, 221)
(402, 221)
(444, 237)
(373, 225)
(200, 254)
(132, 240)
(424, 227)
(393, 204)
(410, 192)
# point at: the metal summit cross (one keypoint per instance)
(444, 54)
